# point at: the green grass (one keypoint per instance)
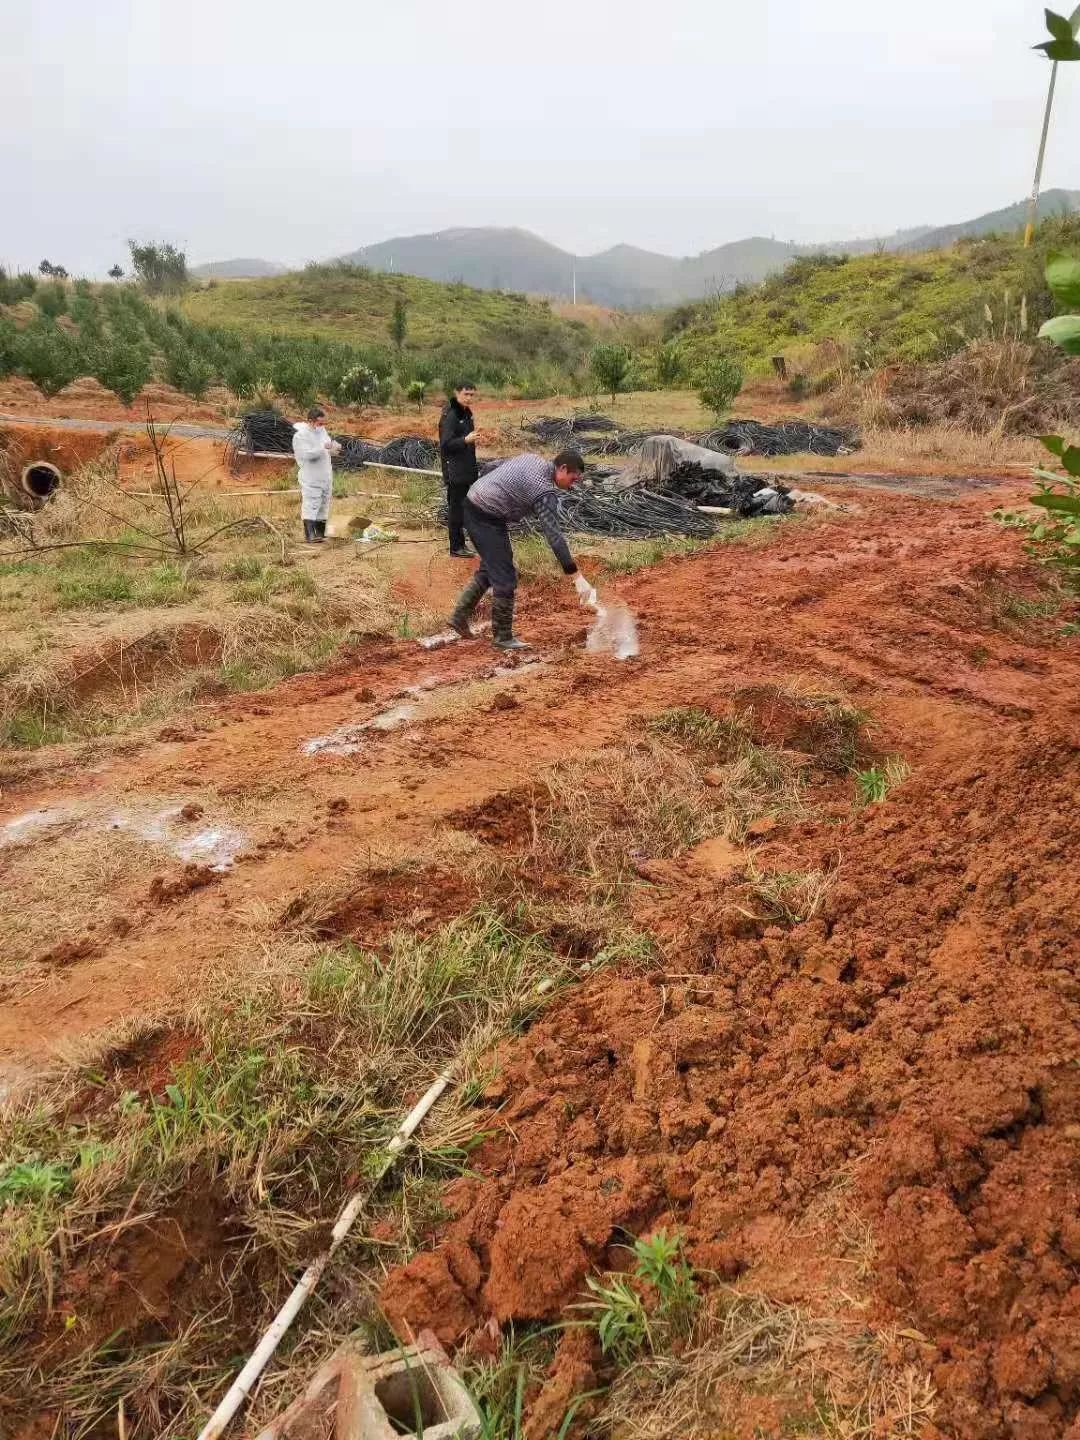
(286, 1101)
(880, 308)
(258, 582)
(90, 579)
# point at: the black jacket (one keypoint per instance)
(458, 459)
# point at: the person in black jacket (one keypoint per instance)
(457, 452)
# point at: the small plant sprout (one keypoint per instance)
(33, 1180)
(625, 1319)
(661, 1263)
(873, 785)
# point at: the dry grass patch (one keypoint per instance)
(153, 1215)
(749, 1354)
(789, 897)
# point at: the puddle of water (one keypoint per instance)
(24, 826)
(433, 697)
(392, 718)
(347, 739)
(449, 637)
(213, 845)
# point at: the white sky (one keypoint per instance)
(257, 128)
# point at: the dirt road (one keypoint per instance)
(110, 427)
(874, 1109)
(121, 914)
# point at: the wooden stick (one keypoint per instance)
(242, 1386)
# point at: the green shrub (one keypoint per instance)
(10, 361)
(160, 269)
(52, 299)
(124, 369)
(186, 370)
(49, 356)
(361, 386)
(611, 366)
(718, 382)
(669, 364)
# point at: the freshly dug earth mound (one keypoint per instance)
(919, 1035)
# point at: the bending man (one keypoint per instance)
(457, 451)
(527, 485)
(312, 448)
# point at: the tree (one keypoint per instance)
(717, 383)
(160, 269)
(116, 273)
(124, 369)
(669, 364)
(399, 321)
(361, 386)
(611, 365)
(416, 390)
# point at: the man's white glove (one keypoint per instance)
(585, 590)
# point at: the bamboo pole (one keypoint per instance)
(1033, 203)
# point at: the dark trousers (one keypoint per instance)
(455, 513)
(491, 538)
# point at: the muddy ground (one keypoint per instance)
(914, 1042)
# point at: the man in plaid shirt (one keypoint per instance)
(527, 485)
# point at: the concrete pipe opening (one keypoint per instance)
(40, 480)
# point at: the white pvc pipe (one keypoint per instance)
(242, 1386)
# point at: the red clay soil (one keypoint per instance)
(892, 608)
(923, 1028)
(920, 1034)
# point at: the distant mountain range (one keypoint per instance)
(625, 277)
(238, 270)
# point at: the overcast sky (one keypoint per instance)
(299, 131)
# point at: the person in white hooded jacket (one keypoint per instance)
(313, 447)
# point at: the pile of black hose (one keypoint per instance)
(630, 515)
(564, 431)
(588, 434)
(789, 437)
(266, 432)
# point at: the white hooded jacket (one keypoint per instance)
(312, 456)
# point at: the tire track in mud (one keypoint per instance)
(856, 602)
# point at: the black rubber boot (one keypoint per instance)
(502, 624)
(468, 600)
(463, 553)
(320, 529)
(309, 532)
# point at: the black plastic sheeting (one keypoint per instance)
(732, 492)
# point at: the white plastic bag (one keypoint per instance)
(613, 632)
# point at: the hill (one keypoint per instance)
(237, 270)
(880, 308)
(624, 277)
(352, 303)
(998, 222)
(628, 277)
